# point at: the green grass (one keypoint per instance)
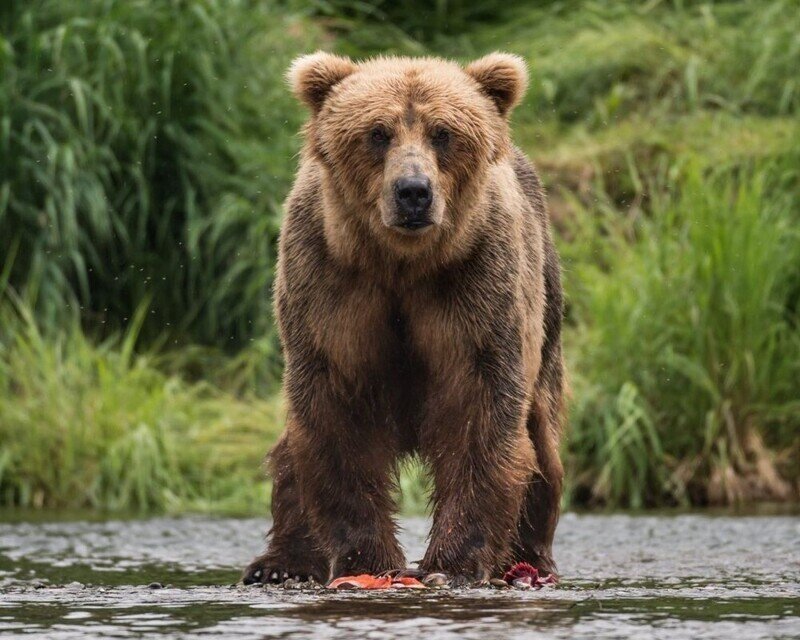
(598, 61)
(684, 346)
(98, 425)
(145, 148)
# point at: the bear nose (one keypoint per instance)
(414, 196)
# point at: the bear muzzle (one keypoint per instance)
(413, 196)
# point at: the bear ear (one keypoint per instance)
(311, 77)
(503, 77)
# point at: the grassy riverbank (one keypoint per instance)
(144, 153)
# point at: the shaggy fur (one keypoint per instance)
(444, 343)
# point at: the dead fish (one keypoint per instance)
(523, 573)
(366, 581)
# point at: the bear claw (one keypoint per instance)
(257, 573)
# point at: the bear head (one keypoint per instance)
(405, 144)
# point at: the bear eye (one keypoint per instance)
(379, 135)
(442, 136)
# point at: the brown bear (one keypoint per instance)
(419, 303)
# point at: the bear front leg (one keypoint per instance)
(482, 460)
(293, 551)
(346, 457)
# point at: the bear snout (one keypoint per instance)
(413, 197)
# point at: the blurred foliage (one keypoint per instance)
(599, 61)
(145, 147)
(98, 425)
(406, 22)
(684, 351)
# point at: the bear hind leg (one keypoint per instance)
(540, 511)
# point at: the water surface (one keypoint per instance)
(623, 576)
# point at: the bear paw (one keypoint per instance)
(270, 570)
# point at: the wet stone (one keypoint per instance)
(435, 580)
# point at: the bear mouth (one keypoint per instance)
(413, 227)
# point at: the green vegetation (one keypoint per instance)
(685, 358)
(86, 424)
(145, 148)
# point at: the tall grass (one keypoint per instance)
(600, 60)
(618, 87)
(145, 148)
(382, 23)
(686, 348)
(96, 425)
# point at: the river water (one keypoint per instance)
(669, 576)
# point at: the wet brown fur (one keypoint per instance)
(445, 344)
